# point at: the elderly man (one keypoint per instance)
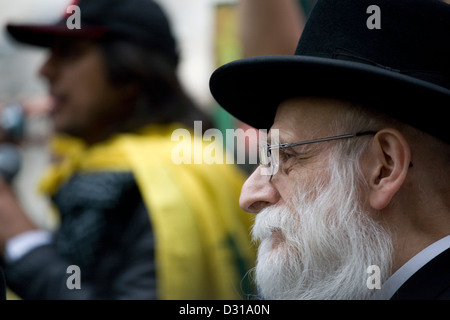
(353, 201)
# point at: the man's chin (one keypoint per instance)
(60, 126)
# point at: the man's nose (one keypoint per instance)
(258, 193)
(49, 68)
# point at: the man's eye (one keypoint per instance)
(286, 155)
(70, 51)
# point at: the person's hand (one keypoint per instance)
(12, 122)
(13, 219)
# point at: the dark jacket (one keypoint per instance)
(2, 286)
(105, 230)
(431, 282)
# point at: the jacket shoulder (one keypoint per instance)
(431, 282)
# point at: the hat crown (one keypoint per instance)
(412, 36)
(400, 67)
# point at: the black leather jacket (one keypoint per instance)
(105, 230)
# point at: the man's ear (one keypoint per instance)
(388, 161)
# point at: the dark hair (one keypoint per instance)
(161, 99)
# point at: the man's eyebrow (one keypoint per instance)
(306, 149)
(280, 139)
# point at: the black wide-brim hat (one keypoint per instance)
(401, 69)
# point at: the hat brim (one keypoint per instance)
(252, 88)
(44, 35)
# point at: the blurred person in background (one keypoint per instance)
(269, 27)
(132, 223)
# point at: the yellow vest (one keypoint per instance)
(203, 249)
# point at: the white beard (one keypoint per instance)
(322, 248)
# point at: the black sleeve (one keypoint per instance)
(125, 268)
(2, 285)
(42, 274)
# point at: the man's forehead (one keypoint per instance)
(307, 117)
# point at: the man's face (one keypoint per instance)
(85, 104)
(317, 237)
(296, 120)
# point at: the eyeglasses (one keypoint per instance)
(270, 162)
